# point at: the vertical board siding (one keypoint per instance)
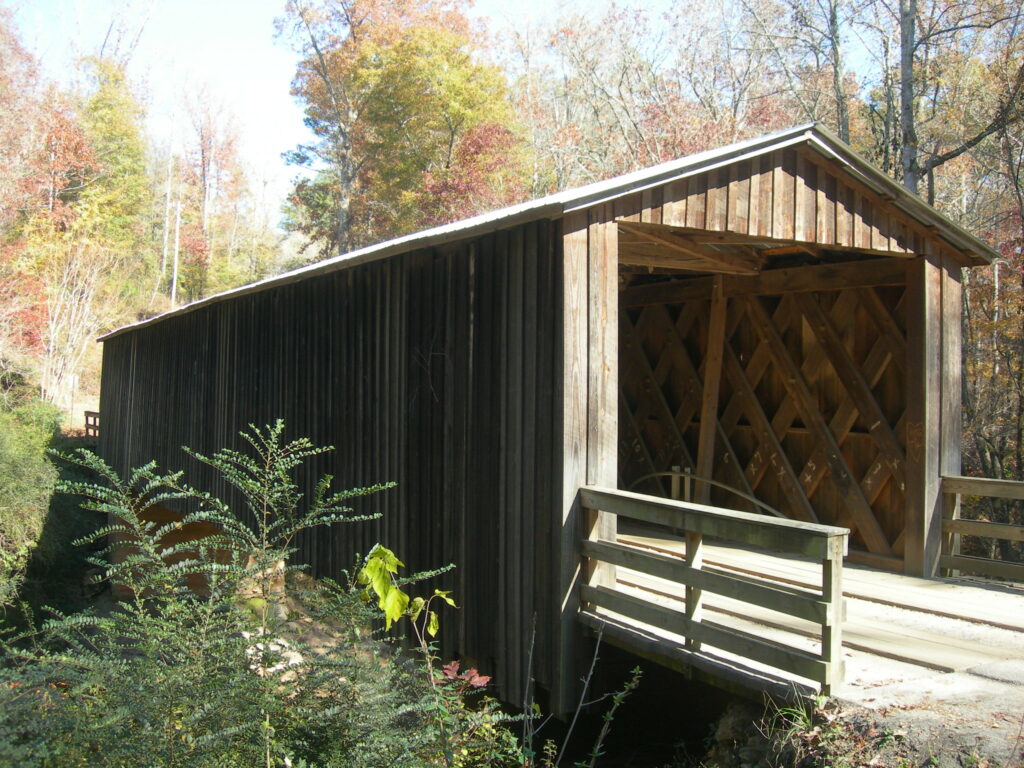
(437, 370)
(791, 194)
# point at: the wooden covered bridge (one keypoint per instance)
(574, 392)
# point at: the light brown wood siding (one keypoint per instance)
(810, 418)
(795, 194)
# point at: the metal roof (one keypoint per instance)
(553, 206)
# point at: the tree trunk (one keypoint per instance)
(908, 131)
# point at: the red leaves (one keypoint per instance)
(471, 678)
(22, 307)
(482, 176)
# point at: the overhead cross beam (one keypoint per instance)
(659, 245)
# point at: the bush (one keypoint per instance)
(255, 663)
(27, 478)
(228, 677)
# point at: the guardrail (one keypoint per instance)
(953, 527)
(92, 424)
(603, 554)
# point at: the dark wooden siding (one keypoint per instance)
(437, 369)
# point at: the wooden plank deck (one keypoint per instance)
(893, 626)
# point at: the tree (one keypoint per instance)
(934, 33)
(391, 89)
(618, 92)
(807, 41)
(83, 240)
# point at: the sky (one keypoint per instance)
(227, 47)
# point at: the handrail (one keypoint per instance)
(951, 561)
(690, 476)
(602, 554)
(92, 424)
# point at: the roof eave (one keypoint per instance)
(977, 252)
(553, 206)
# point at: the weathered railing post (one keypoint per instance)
(694, 596)
(950, 540)
(832, 626)
(92, 424)
(694, 557)
(598, 526)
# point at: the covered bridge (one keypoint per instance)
(777, 316)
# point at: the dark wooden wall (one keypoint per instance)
(438, 369)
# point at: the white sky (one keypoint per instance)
(226, 46)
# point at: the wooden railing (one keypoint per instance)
(953, 527)
(600, 594)
(92, 424)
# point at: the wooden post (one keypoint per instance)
(923, 521)
(950, 541)
(590, 397)
(603, 364)
(694, 596)
(832, 627)
(951, 424)
(597, 573)
(712, 379)
(574, 453)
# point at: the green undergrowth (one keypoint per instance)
(27, 479)
(225, 654)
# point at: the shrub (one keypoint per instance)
(27, 478)
(262, 665)
(174, 678)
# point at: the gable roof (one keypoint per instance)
(814, 135)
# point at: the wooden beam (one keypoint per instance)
(709, 402)
(661, 234)
(877, 360)
(850, 377)
(746, 528)
(889, 331)
(769, 444)
(864, 518)
(677, 349)
(574, 454)
(669, 292)
(775, 597)
(821, 277)
(655, 397)
(787, 250)
(923, 523)
(779, 245)
(950, 412)
(983, 486)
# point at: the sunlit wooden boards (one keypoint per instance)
(793, 194)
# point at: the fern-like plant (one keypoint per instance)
(170, 677)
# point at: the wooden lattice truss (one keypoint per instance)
(810, 407)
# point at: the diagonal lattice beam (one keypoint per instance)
(856, 387)
(769, 445)
(681, 360)
(874, 366)
(863, 516)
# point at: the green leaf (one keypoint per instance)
(432, 624)
(394, 604)
(416, 607)
(444, 595)
(377, 576)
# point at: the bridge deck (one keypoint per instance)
(898, 629)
